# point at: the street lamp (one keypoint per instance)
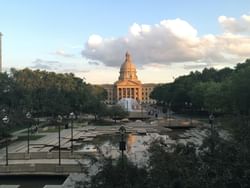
(5, 122)
(122, 145)
(59, 121)
(28, 116)
(189, 106)
(127, 104)
(211, 122)
(169, 112)
(72, 117)
(141, 110)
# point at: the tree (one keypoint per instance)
(47, 93)
(222, 91)
(118, 174)
(197, 95)
(117, 112)
(95, 100)
(172, 167)
(212, 96)
(240, 89)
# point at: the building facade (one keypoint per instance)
(128, 85)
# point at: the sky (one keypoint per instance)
(166, 38)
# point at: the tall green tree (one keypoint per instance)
(117, 112)
(118, 174)
(240, 88)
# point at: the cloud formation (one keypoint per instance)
(57, 66)
(94, 63)
(62, 53)
(196, 66)
(232, 25)
(173, 41)
(45, 64)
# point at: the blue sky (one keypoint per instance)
(54, 34)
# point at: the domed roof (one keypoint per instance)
(128, 65)
(128, 69)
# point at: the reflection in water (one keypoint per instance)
(130, 141)
(137, 146)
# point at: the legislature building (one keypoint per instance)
(128, 85)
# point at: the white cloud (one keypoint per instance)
(45, 64)
(192, 66)
(94, 63)
(94, 40)
(179, 28)
(246, 18)
(238, 45)
(232, 25)
(137, 30)
(62, 53)
(173, 41)
(59, 67)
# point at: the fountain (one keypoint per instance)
(129, 104)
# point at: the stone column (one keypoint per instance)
(117, 94)
(123, 93)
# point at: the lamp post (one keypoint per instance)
(211, 122)
(141, 109)
(28, 116)
(168, 112)
(59, 121)
(122, 147)
(6, 121)
(72, 117)
(127, 104)
(189, 106)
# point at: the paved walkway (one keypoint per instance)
(49, 143)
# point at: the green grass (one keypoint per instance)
(51, 129)
(203, 120)
(17, 128)
(80, 124)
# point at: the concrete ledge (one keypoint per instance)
(4, 169)
(50, 155)
(41, 169)
(27, 155)
(14, 156)
(59, 168)
(45, 155)
(9, 186)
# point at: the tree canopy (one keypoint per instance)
(46, 94)
(223, 91)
